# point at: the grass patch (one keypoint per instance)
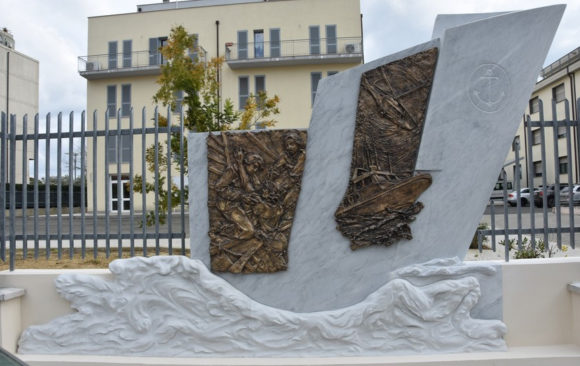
(77, 262)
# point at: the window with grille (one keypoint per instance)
(563, 164)
(244, 91)
(127, 53)
(126, 100)
(534, 105)
(536, 137)
(112, 100)
(314, 80)
(537, 168)
(559, 93)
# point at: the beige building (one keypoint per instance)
(18, 93)
(559, 82)
(284, 47)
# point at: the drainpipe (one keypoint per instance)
(217, 43)
(574, 117)
(362, 39)
(7, 85)
(526, 152)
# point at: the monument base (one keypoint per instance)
(175, 307)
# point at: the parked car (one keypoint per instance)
(550, 195)
(525, 197)
(565, 195)
(497, 193)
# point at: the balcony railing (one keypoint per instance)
(121, 64)
(292, 52)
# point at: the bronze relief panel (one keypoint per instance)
(381, 198)
(254, 183)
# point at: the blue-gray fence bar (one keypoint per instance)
(59, 184)
(83, 197)
(47, 187)
(182, 179)
(95, 190)
(106, 188)
(12, 188)
(156, 182)
(36, 179)
(131, 185)
(169, 182)
(143, 180)
(71, 173)
(24, 187)
(119, 184)
(530, 170)
(3, 156)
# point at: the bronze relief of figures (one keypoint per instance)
(381, 198)
(254, 183)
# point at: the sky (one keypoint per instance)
(55, 33)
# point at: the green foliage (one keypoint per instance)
(535, 249)
(199, 82)
(474, 244)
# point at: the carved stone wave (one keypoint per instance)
(174, 306)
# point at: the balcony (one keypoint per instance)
(137, 63)
(295, 52)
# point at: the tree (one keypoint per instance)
(199, 82)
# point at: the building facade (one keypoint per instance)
(18, 94)
(556, 91)
(283, 47)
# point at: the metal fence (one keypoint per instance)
(543, 222)
(37, 231)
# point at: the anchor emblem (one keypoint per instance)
(489, 88)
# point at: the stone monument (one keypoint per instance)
(401, 153)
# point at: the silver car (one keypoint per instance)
(525, 197)
(565, 195)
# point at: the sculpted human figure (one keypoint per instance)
(237, 193)
(254, 190)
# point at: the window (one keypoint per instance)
(536, 137)
(563, 164)
(244, 91)
(112, 149)
(314, 33)
(330, 73)
(126, 100)
(258, 43)
(314, 79)
(260, 85)
(561, 131)
(178, 101)
(331, 39)
(123, 196)
(559, 93)
(242, 45)
(534, 105)
(260, 81)
(275, 42)
(113, 55)
(112, 100)
(127, 53)
(537, 168)
(155, 44)
(194, 51)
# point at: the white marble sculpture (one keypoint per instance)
(174, 306)
(332, 301)
(463, 147)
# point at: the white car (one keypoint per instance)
(525, 197)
